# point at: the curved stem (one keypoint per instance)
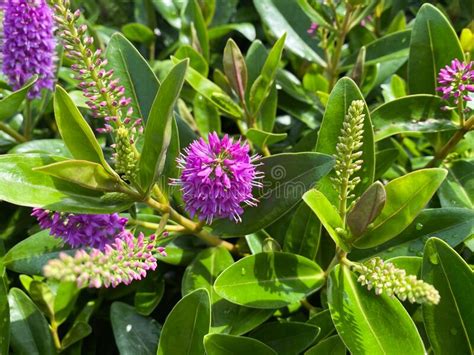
(12, 133)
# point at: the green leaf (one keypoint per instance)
(29, 330)
(170, 10)
(324, 322)
(226, 316)
(159, 126)
(4, 313)
(406, 197)
(31, 254)
(193, 17)
(140, 83)
(149, 294)
(286, 178)
(328, 216)
(332, 345)
(384, 160)
(453, 225)
(434, 44)
(313, 14)
(64, 300)
(206, 116)
(83, 173)
(221, 344)
(10, 104)
(21, 185)
(187, 324)
(366, 209)
(77, 332)
(282, 16)
(196, 60)
(304, 233)
(370, 324)
(411, 264)
(269, 280)
(286, 338)
(75, 131)
(43, 297)
(134, 334)
(235, 68)
(450, 324)
(43, 146)
(458, 188)
(263, 84)
(341, 98)
(244, 28)
(212, 92)
(262, 138)
(138, 33)
(415, 113)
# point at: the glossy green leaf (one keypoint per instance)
(134, 333)
(29, 329)
(193, 17)
(411, 264)
(244, 28)
(269, 280)
(450, 324)
(314, 15)
(75, 131)
(78, 331)
(21, 185)
(206, 116)
(42, 295)
(415, 113)
(196, 60)
(281, 16)
(187, 324)
(235, 68)
(221, 344)
(262, 138)
(64, 300)
(330, 346)
(170, 10)
(458, 188)
(43, 146)
(138, 33)
(286, 338)
(212, 92)
(159, 126)
(149, 294)
(341, 97)
(140, 83)
(227, 317)
(263, 84)
(286, 178)
(4, 313)
(370, 324)
(328, 215)
(324, 322)
(434, 44)
(366, 209)
(453, 225)
(31, 254)
(304, 233)
(180, 250)
(10, 104)
(384, 160)
(406, 197)
(83, 173)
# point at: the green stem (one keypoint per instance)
(12, 133)
(54, 333)
(452, 143)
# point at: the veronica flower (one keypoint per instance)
(217, 178)
(82, 230)
(456, 80)
(28, 44)
(313, 28)
(127, 259)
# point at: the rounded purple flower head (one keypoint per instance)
(217, 178)
(456, 80)
(82, 230)
(29, 47)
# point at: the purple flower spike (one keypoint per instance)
(457, 80)
(29, 47)
(82, 230)
(217, 177)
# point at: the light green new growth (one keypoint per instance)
(384, 277)
(348, 152)
(126, 157)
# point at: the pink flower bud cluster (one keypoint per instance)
(122, 262)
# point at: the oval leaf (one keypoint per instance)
(220, 344)
(269, 280)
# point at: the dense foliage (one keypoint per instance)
(236, 177)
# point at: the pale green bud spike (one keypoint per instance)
(384, 277)
(126, 159)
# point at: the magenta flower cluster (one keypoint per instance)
(217, 178)
(456, 80)
(82, 230)
(29, 47)
(124, 261)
